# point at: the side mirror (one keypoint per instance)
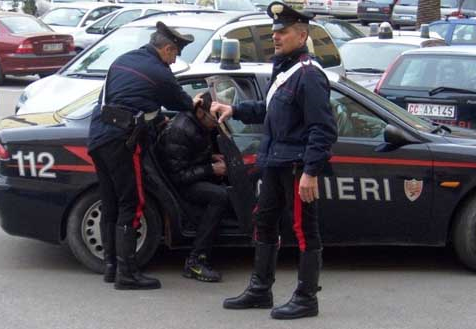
(397, 137)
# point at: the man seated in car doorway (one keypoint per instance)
(188, 159)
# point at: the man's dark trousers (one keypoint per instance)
(215, 198)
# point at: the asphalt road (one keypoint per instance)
(43, 287)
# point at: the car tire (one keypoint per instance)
(364, 23)
(83, 234)
(464, 234)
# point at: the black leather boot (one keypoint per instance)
(108, 236)
(128, 275)
(258, 294)
(303, 303)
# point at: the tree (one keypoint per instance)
(428, 11)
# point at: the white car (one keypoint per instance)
(68, 18)
(88, 70)
(227, 5)
(318, 6)
(88, 35)
(343, 8)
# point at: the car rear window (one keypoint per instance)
(64, 16)
(469, 4)
(407, 2)
(24, 24)
(372, 55)
(100, 56)
(427, 71)
(449, 4)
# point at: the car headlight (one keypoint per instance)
(21, 101)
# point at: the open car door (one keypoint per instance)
(242, 195)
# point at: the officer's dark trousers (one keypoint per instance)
(120, 183)
(215, 198)
(278, 196)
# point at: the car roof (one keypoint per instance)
(245, 68)
(453, 50)
(86, 5)
(403, 38)
(11, 13)
(466, 21)
(206, 19)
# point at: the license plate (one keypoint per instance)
(344, 4)
(432, 110)
(52, 47)
(372, 9)
(406, 18)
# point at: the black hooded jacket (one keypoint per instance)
(185, 150)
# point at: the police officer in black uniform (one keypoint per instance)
(299, 130)
(138, 82)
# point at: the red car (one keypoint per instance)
(28, 46)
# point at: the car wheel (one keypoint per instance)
(364, 23)
(84, 236)
(464, 234)
(2, 76)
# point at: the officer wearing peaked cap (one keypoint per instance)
(138, 82)
(299, 130)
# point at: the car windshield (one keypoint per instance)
(401, 113)
(407, 2)
(99, 57)
(342, 30)
(427, 72)
(469, 4)
(24, 24)
(243, 5)
(373, 55)
(64, 16)
(386, 2)
(449, 4)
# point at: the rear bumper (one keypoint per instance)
(396, 20)
(31, 64)
(32, 210)
(374, 17)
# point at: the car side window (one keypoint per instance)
(441, 29)
(324, 49)
(151, 11)
(97, 14)
(123, 18)
(97, 27)
(464, 34)
(247, 45)
(354, 120)
(265, 38)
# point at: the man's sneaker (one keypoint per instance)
(198, 268)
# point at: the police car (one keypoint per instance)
(87, 71)
(393, 179)
(365, 59)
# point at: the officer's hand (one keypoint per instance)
(218, 157)
(225, 111)
(219, 168)
(308, 188)
(197, 100)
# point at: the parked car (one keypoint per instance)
(318, 6)
(28, 46)
(374, 11)
(437, 83)
(405, 11)
(340, 30)
(89, 68)
(366, 59)
(394, 179)
(89, 34)
(456, 31)
(343, 8)
(70, 17)
(227, 5)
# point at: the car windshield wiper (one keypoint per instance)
(365, 70)
(86, 75)
(441, 89)
(440, 127)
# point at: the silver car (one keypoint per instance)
(405, 11)
(344, 8)
(318, 6)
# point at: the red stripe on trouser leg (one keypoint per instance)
(140, 191)
(255, 226)
(297, 225)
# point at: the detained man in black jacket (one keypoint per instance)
(187, 151)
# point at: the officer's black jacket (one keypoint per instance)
(140, 80)
(299, 126)
(185, 148)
